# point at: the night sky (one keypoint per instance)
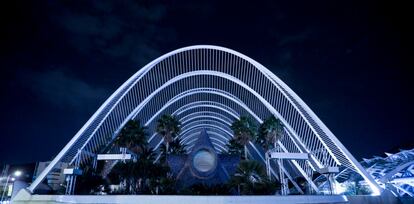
(348, 61)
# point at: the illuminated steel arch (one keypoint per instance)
(394, 172)
(202, 79)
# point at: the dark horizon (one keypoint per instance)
(348, 61)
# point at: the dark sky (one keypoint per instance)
(60, 60)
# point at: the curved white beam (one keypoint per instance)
(206, 113)
(219, 92)
(210, 126)
(207, 121)
(201, 117)
(196, 131)
(215, 144)
(231, 97)
(227, 95)
(224, 94)
(210, 104)
(177, 98)
(213, 136)
(94, 131)
(191, 106)
(207, 126)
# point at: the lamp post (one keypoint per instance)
(16, 174)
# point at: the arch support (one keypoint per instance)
(209, 86)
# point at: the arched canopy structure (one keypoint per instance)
(394, 172)
(210, 86)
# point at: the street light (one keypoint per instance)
(16, 173)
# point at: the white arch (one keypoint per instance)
(221, 117)
(208, 121)
(119, 102)
(223, 94)
(188, 136)
(190, 92)
(194, 127)
(210, 126)
(198, 104)
(206, 113)
(210, 133)
(206, 117)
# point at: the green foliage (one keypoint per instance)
(168, 127)
(89, 182)
(132, 136)
(144, 176)
(234, 148)
(250, 179)
(175, 147)
(127, 173)
(163, 185)
(270, 131)
(244, 130)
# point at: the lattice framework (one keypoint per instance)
(209, 87)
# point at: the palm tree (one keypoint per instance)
(143, 176)
(175, 148)
(234, 148)
(270, 132)
(148, 171)
(132, 136)
(126, 173)
(244, 131)
(168, 127)
(164, 185)
(250, 179)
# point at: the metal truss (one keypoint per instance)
(394, 172)
(210, 86)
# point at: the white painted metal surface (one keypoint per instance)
(329, 170)
(72, 171)
(201, 79)
(291, 156)
(114, 156)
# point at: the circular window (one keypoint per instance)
(204, 161)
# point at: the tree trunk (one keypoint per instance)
(268, 165)
(245, 152)
(167, 145)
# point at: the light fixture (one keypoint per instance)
(17, 173)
